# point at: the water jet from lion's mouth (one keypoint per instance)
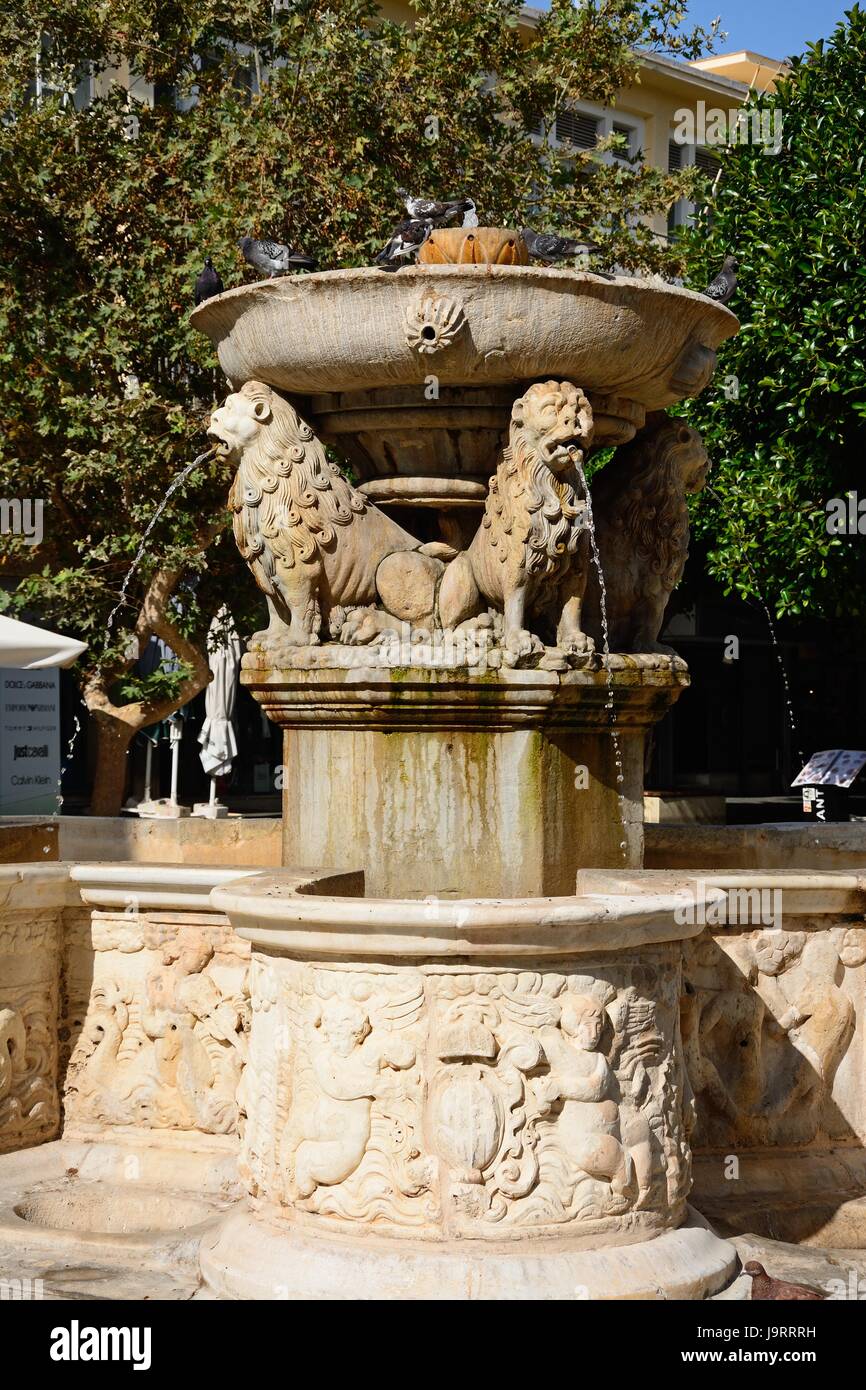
(576, 456)
(170, 490)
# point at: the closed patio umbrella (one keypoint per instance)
(217, 738)
(34, 648)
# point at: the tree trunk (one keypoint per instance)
(117, 725)
(113, 737)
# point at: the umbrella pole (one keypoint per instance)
(176, 735)
(213, 791)
(148, 770)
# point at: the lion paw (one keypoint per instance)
(365, 625)
(519, 645)
(576, 644)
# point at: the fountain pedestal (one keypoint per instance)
(458, 781)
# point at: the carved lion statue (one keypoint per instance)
(642, 531)
(530, 551)
(313, 542)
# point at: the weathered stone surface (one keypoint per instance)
(512, 788)
(32, 900)
(239, 841)
(642, 531)
(346, 330)
(782, 845)
(460, 1074)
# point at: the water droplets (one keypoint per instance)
(64, 765)
(610, 702)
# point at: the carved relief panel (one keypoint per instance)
(29, 1102)
(162, 1037)
(452, 1102)
(769, 1023)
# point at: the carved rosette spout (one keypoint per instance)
(433, 322)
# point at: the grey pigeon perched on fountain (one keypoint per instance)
(548, 247)
(440, 213)
(207, 282)
(273, 257)
(722, 286)
(406, 241)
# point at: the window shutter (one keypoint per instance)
(707, 162)
(575, 128)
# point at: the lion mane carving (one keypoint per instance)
(313, 542)
(642, 531)
(530, 551)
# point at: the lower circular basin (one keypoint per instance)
(100, 1209)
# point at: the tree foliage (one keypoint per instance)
(795, 435)
(298, 120)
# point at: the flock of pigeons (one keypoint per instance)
(272, 258)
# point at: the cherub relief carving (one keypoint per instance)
(765, 1025)
(589, 1123)
(330, 1124)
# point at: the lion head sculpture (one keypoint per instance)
(551, 429)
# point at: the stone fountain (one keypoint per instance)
(462, 1044)
(465, 1075)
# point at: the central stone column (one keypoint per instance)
(462, 782)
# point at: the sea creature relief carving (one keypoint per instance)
(162, 1043)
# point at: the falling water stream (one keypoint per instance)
(610, 704)
(175, 483)
(70, 747)
(777, 648)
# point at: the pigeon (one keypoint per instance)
(440, 214)
(207, 282)
(766, 1288)
(722, 287)
(273, 258)
(547, 247)
(406, 241)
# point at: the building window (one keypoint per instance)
(583, 127)
(577, 128)
(682, 213)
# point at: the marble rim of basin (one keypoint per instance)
(353, 330)
(287, 911)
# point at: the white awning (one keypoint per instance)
(31, 648)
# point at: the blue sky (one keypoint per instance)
(775, 28)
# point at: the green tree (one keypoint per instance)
(298, 120)
(789, 433)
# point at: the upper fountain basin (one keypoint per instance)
(467, 325)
